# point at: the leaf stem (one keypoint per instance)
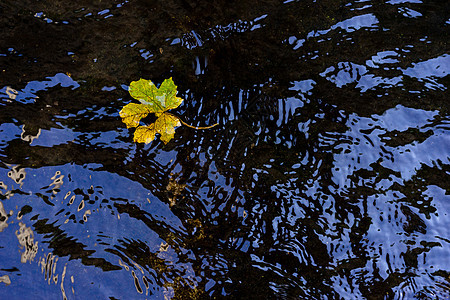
(195, 127)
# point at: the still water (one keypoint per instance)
(326, 178)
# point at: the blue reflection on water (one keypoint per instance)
(28, 93)
(79, 203)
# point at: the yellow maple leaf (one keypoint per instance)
(153, 100)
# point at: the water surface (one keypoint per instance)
(327, 177)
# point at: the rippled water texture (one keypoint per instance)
(327, 177)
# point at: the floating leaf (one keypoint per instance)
(164, 125)
(132, 114)
(156, 100)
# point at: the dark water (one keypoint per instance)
(327, 177)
